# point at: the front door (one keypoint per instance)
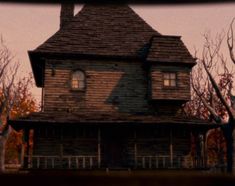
(115, 144)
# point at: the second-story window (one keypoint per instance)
(78, 80)
(169, 79)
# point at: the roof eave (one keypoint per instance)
(26, 124)
(37, 65)
(37, 61)
(188, 64)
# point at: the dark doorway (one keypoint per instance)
(115, 148)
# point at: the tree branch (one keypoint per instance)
(230, 40)
(218, 92)
(210, 109)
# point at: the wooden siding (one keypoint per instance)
(110, 87)
(180, 92)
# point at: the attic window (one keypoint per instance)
(78, 80)
(169, 79)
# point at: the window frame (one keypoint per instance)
(163, 79)
(71, 80)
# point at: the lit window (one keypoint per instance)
(169, 79)
(78, 80)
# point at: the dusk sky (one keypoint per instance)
(26, 26)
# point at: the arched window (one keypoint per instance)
(78, 80)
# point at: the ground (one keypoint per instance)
(117, 178)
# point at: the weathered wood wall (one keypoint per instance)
(180, 92)
(110, 87)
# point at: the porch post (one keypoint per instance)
(26, 139)
(193, 150)
(22, 152)
(99, 150)
(61, 143)
(61, 138)
(205, 149)
(199, 144)
(135, 149)
(202, 150)
(171, 148)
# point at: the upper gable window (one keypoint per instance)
(169, 79)
(78, 80)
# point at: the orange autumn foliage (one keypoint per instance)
(24, 105)
(216, 147)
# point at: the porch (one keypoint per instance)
(119, 147)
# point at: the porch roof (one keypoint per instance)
(47, 118)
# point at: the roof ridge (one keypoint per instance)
(87, 6)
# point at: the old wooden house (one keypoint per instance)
(112, 91)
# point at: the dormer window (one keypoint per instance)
(169, 79)
(78, 80)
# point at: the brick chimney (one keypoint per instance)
(66, 13)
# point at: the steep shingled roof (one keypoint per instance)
(169, 49)
(114, 30)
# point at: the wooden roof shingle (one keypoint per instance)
(108, 30)
(169, 49)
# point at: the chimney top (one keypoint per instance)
(66, 14)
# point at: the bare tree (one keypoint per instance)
(7, 78)
(212, 84)
(13, 92)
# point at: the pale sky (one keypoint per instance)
(26, 26)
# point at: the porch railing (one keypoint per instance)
(156, 162)
(90, 162)
(68, 162)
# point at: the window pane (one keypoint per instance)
(81, 75)
(172, 76)
(166, 82)
(78, 80)
(75, 75)
(169, 79)
(81, 84)
(75, 84)
(166, 75)
(173, 83)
